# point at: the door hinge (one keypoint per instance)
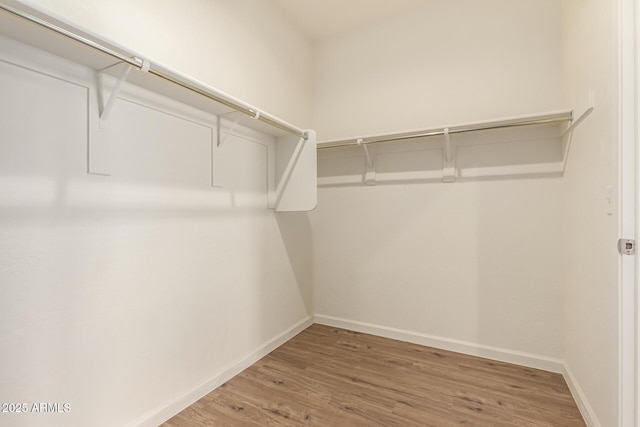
(627, 246)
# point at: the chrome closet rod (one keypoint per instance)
(558, 118)
(211, 93)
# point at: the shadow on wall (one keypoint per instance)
(296, 235)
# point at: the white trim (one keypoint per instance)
(627, 204)
(163, 413)
(473, 349)
(585, 408)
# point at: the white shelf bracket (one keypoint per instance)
(449, 159)
(222, 138)
(586, 108)
(229, 131)
(99, 144)
(576, 122)
(370, 171)
(217, 180)
(124, 73)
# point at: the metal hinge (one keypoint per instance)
(627, 246)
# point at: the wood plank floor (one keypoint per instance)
(333, 377)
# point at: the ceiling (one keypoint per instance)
(325, 18)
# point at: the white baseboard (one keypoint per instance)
(162, 414)
(585, 408)
(474, 349)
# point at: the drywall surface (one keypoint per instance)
(122, 294)
(479, 262)
(444, 63)
(246, 48)
(591, 338)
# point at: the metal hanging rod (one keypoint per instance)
(547, 118)
(166, 74)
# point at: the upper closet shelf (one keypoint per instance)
(560, 123)
(294, 159)
(52, 34)
(556, 117)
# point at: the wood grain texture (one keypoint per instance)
(328, 376)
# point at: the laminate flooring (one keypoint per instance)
(332, 377)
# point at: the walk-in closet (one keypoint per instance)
(318, 212)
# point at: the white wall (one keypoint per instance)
(246, 48)
(522, 264)
(591, 342)
(128, 294)
(479, 261)
(445, 63)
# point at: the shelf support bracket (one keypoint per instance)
(229, 131)
(217, 178)
(576, 122)
(108, 106)
(99, 141)
(124, 73)
(370, 171)
(449, 159)
(588, 104)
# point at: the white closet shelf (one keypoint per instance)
(52, 34)
(559, 123)
(554, 117)
(294, 162)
